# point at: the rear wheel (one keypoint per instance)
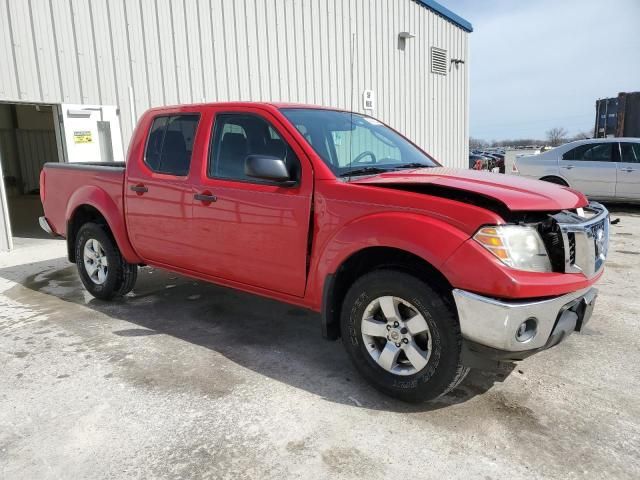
(102, 269)
(401, 336)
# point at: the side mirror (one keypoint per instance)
(269, 168)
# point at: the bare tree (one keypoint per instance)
(477, 144)
(581, 136)
(557, 136)
(518, 142)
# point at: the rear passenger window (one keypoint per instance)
(154, 143)
(591, 152)
(598, 153)
(170, 144)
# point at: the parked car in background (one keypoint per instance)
(602, 168)
(476, 161)
(499, 161)
(491, 161)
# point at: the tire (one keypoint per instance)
(129, 278)
(556, 180)
(113, 275)
(439, 345)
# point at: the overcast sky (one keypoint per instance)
(539, 64)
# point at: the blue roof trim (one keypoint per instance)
(448, 14)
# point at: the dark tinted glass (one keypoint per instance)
(154, 143)
(630, 152)
(170, 144)
(237, 136)
(590, 152)
(598, 153)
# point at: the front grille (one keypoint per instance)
(572, 247)
(552, 238)
(598, 232)
(585, 239)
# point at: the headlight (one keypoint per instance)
(517, 246)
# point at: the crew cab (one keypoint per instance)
(423, 271)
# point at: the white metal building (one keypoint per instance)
(76, 74)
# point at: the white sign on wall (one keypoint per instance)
(368, 100)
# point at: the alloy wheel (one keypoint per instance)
(95, 261)
(396, 335)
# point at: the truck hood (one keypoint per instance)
(515, 193)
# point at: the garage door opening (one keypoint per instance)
(28, 139)
(34, 134)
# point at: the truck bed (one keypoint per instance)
(86, 165)
(70, 178)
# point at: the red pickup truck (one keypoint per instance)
(423, 271)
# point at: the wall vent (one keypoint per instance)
(438, 61)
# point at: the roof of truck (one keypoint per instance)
(304, 105)
(247, 104)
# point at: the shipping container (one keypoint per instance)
(618, 116)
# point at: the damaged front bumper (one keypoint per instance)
(498, 331)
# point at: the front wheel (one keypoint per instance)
(401, 336)
(102, 269)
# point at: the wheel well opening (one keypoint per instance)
(83, 214)
(366, 261)
(554, 179)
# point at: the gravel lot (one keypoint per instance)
(182, 379)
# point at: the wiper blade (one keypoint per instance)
(412, 165)
(365, 171)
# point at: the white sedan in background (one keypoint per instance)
(601, 168)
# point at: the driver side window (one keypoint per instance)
(236, 136)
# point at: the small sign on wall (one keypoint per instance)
(368, 100)
(82, 136)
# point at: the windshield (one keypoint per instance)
(353, 144)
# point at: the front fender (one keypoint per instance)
(113, 213)
(426, 237)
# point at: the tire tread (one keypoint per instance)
(126, 273)
(445, 376)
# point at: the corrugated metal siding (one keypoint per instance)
(183, 51)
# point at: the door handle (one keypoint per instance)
(205, 197)
(628, 170)
(568, 167)
(139, 188)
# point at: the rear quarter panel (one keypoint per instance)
(538, 166)
(64, 188)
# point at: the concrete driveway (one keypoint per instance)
(182, 379)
